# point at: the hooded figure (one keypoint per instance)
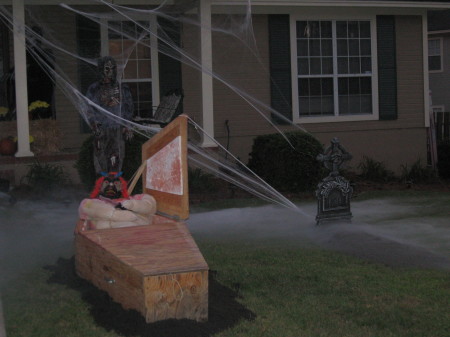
(113, 99)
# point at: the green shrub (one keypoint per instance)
(44, 178)
(416, 173)
(200, 181)
(132, 161)
(443, 165)
(285, 168)
(373, 170)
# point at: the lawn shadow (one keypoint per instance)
(224, 310)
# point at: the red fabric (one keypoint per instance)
(98, 185)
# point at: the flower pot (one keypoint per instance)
(7, 147)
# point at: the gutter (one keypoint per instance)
(331, 3)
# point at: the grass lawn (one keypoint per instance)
(279, 291)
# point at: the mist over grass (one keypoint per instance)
(37, 231)
(289, 272)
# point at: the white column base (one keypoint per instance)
(24, 154)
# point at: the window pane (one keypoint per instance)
(434, 63)
(303, 66)
(303, 104)
(314, 47)
(355, 65)
(327, 47)
(145, 91)
(130, 70)
(342, 47)
(315, 106)
(315, 87)
(325, 29)
(327, 106)
(354, 104)
(353, 86)
(366, 65)
(302, 47)
(301, 29)
(143, 50)
(343, 86)
(366, 104)
(343, 105)
(327, 86)
(342, 65)
(314, 29)
(145, 69)
(327, 65)
(353, 47)
(353, 29)
(366, 85)
(303, 87)
(341, 29)
(364, 29)
(434, 47)
(115, 48)
(365, 47)
(315, 66)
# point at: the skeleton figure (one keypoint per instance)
(109, 132)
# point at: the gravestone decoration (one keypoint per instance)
(334, 191)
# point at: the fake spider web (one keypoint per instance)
(152, 30)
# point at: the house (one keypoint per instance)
(356, 70)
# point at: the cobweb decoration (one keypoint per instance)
(61, 59)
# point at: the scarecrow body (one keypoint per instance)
(110, 206)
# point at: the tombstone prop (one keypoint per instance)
(334, 191)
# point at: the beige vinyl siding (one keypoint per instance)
(386, 141)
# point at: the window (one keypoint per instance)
(334, 61)
(139, 61)
(435, 54)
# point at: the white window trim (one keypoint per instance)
(437, 108)
(441, 45)
(153, 50)
(331, 119)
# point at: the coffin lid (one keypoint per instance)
(165, 176)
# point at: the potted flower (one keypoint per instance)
(7, 146)
(39, 110)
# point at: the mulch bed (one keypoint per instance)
(224, 310)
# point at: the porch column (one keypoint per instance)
(20, 66)
(207, 81)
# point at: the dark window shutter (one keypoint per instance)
(280, 66)
(88, 45)
(387, 68)
(169, 67)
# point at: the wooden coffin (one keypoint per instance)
(157, 269)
